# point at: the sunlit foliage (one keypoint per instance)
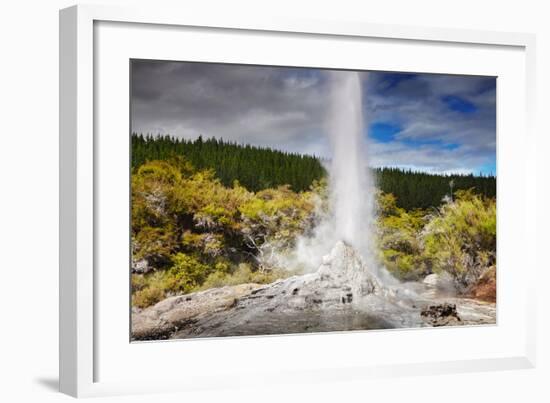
(189, 229)
(399, 241)
(459, 237)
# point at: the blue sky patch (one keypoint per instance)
(458, 104)
(391, 80)
(435, 143)
(489, 168)
(383, 132)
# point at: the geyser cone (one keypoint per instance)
(347, 265)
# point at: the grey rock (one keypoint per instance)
(141, 266)
(171, 314)
(343, 294)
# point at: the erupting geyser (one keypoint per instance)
(351, 212)
(351, 188)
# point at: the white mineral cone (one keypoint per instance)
(346, 266)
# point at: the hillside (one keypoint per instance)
(259, 168)
(256, 168)
(420, 190)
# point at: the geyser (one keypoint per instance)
(351, 188)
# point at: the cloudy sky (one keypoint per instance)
(428, 122)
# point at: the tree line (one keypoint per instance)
(421, 190)
(260, 168)
(256, 168)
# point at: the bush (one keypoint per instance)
(155, 245)
(186, 273)
(460, 238)
(147, 297)
(243, 275)
(399, 241)
(148, 289)
(190, 275)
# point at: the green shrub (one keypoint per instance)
(243, 275)
(148, 296)
(460, 238)
(186, 273)
(398, 238)
(138, 282)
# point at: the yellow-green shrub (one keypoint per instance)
(186, 273)
(147, 296)
(398, 239)
(460, 238)
(242, 275)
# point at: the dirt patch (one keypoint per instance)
(485, 288)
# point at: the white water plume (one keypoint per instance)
(351, 188)
(350, 217)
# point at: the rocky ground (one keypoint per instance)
(341, 295)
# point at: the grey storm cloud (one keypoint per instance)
(443, 123)
(277, 107)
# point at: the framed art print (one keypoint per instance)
(241, 189)
(276, 200)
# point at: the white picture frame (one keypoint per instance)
(80, 295)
